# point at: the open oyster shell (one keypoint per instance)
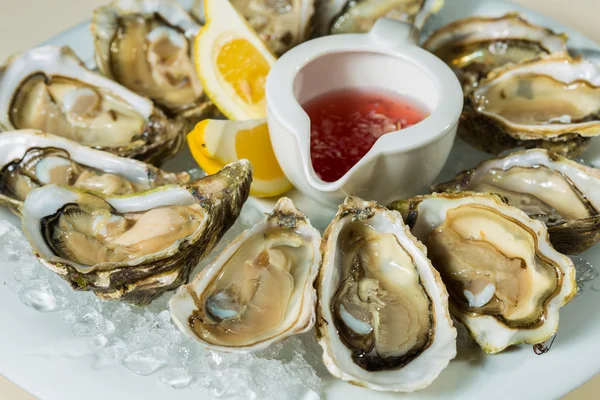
(135, 247)
(30, 159)
(146, 46)
(563, 194)
(474, 46)
(551, 102)
(506, 281)
(359, 16)
(259, 290)
(383, 319)
(50, 89)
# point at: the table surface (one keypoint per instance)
(34, 21)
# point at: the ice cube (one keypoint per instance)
(146, 361)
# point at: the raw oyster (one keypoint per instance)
(50, 89)
(474, 46)
(259, 290)
(30, 159)
(146, 46)
(281, 24)
(506, 281)
(135, 247)
(383, 319)
(552, 102)
(563, 194)
(359, 16)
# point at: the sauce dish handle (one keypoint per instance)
(392, 33)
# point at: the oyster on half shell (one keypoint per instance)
(506, 281)
(146, 46)
(551, 102)
(259, 290)
(30, 159)
(382, 318)
(563, 194)
(135, 247)
(359, 16)
(474, 46)
(50, 89)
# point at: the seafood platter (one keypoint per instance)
(405, 193)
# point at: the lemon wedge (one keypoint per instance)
(215, 143)
(232, 62)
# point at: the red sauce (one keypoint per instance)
(346, 123)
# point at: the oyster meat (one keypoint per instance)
(135, 247)
(146, 46)
(259, 290)
(506, 281)
(49, 89)
(281, 24)
(382, 318)
(30, 159)
(359, 16)
(474, 46)
(552, 102)
(563, 194)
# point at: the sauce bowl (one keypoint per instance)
(401, 163)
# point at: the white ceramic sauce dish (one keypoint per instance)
(401, 163)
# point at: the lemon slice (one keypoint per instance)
(232, 62)
(215, 143)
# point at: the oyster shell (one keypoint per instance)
(259, 290)
(474, 46)
(359, 16)
(146, 46)
(30, 159)
(563, 194)
(135, 247)
(49, 89)
(552, 102)
(506, 281)
(383, 319)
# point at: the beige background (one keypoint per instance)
(26, 23)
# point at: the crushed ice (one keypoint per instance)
(144, 340)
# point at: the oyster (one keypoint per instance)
(382, 318)
(506, 281)
(135, 247)
(50, 89)
(259, 290)
(281, 24)
(359, 16)
(563, 194)
(474, 46)
(552, 102)
(146, 46)
(30, 159)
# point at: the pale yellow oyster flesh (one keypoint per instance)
(552, 102)
(383, 319)
(133, 247)
(50, 89)
(146, 45)
(77, 111)
(506, 281)
(474, 46)
(30, 159)
(259, 290)
(563, 194)
(359, 16)
(89, 235)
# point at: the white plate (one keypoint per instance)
(40, 354)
